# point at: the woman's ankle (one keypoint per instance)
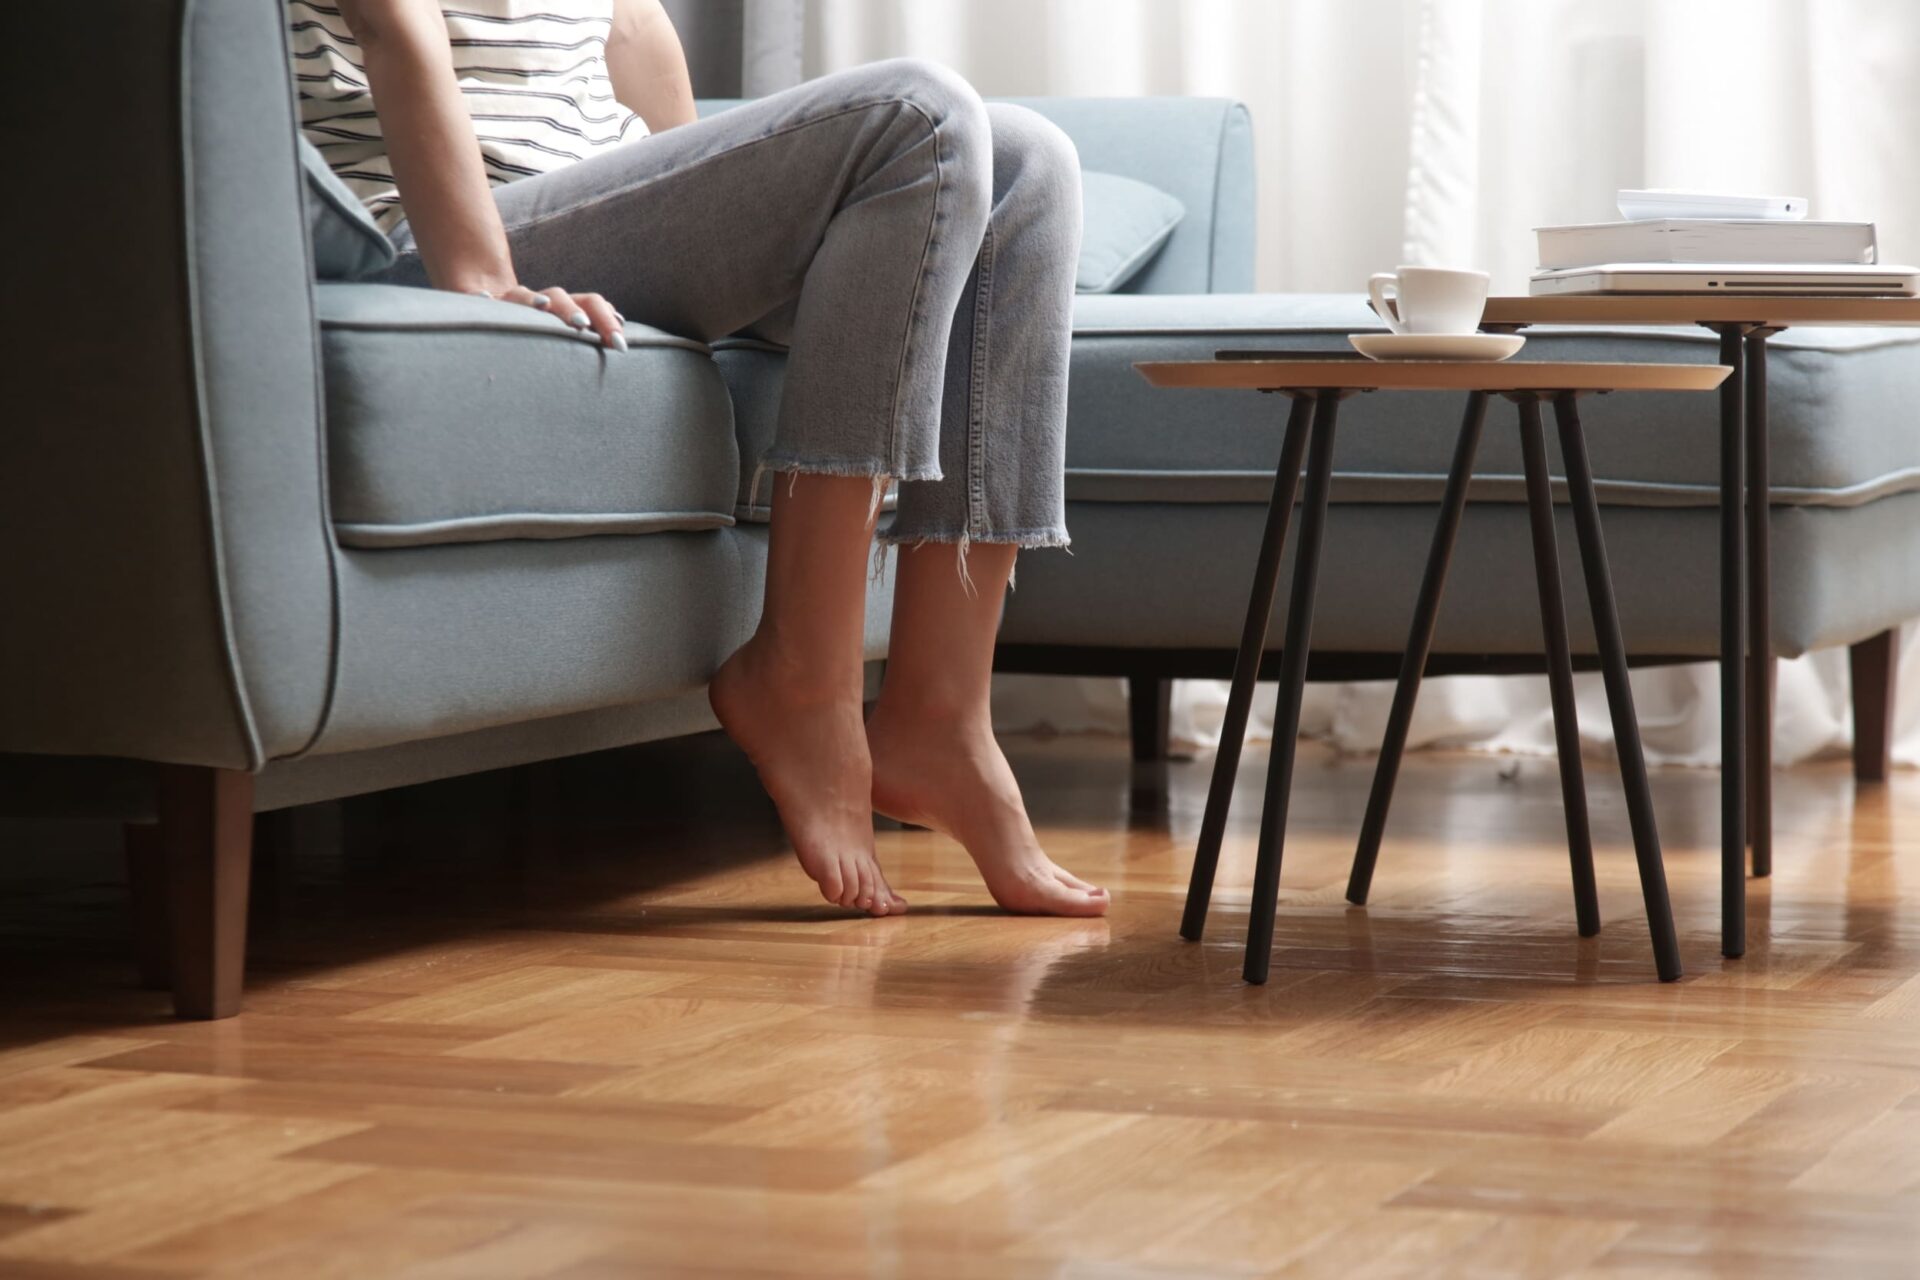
(951, 712)
(796, 672)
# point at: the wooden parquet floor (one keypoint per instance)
(610, 1033)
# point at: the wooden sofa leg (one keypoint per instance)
(1150, 717)
(206, 833)
(1873, 663)
(147, 894)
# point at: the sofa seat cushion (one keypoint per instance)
(1841, 405)
(457, 419)
(1174, 576)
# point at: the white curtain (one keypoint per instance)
(1442, 131)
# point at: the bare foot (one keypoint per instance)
(938, 773)
(808, 744)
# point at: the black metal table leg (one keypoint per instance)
(1733, 647)
(1613, 662)
(1759, 611)
(1413, 662)
(1246, 669)
(1293, 680)
(1553, 624)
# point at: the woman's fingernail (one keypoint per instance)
(541, 301)
(618, 342)
(579, 320)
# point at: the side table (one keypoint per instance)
(1316, 386)
(1743, 324)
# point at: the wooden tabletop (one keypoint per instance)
(1430, 375)
(1674, 308)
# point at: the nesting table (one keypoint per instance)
(1316, 386)
(1743, 324)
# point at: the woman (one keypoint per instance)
(914, 247)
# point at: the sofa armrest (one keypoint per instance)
(1200, 150)
(166, 582)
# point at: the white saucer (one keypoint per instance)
(1437, 346)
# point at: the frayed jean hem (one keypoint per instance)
(852, 468)
(1025, 539)
(962, 540)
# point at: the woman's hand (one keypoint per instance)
(437, 167)
(587, 312)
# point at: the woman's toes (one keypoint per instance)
(1073, 881)
(1086, 903)
(831, 886)
(885, 901)
(1075, 884)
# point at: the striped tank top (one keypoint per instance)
(533, 72)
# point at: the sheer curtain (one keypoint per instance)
(1442, 131)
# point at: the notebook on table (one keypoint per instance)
(1751, 278)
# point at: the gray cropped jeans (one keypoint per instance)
(912, 246)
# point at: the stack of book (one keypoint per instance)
(1678, 242)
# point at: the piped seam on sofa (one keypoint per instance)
(251, 741)
(1123, 485)
(648, 338)
(537, 526)
(1790, 340)
(1213, 206)
(744, 342)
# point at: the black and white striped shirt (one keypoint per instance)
(534, 74)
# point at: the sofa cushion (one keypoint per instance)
(1174, 576)
(347, 244)
(1197, 150)
(1840, 401)
(1126, 222)
(459, 419)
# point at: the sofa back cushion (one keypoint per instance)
(1199, 151)
(1127, 223)
(347, 245)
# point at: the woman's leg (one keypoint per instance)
(1002, 451)
(935, 760)
(791, 695)
(861, 200)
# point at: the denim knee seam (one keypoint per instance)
(915, 321)
(980, 369)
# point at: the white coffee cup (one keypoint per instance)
(1430, 299)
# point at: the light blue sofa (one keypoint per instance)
(1167, 489)
(271, 542)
